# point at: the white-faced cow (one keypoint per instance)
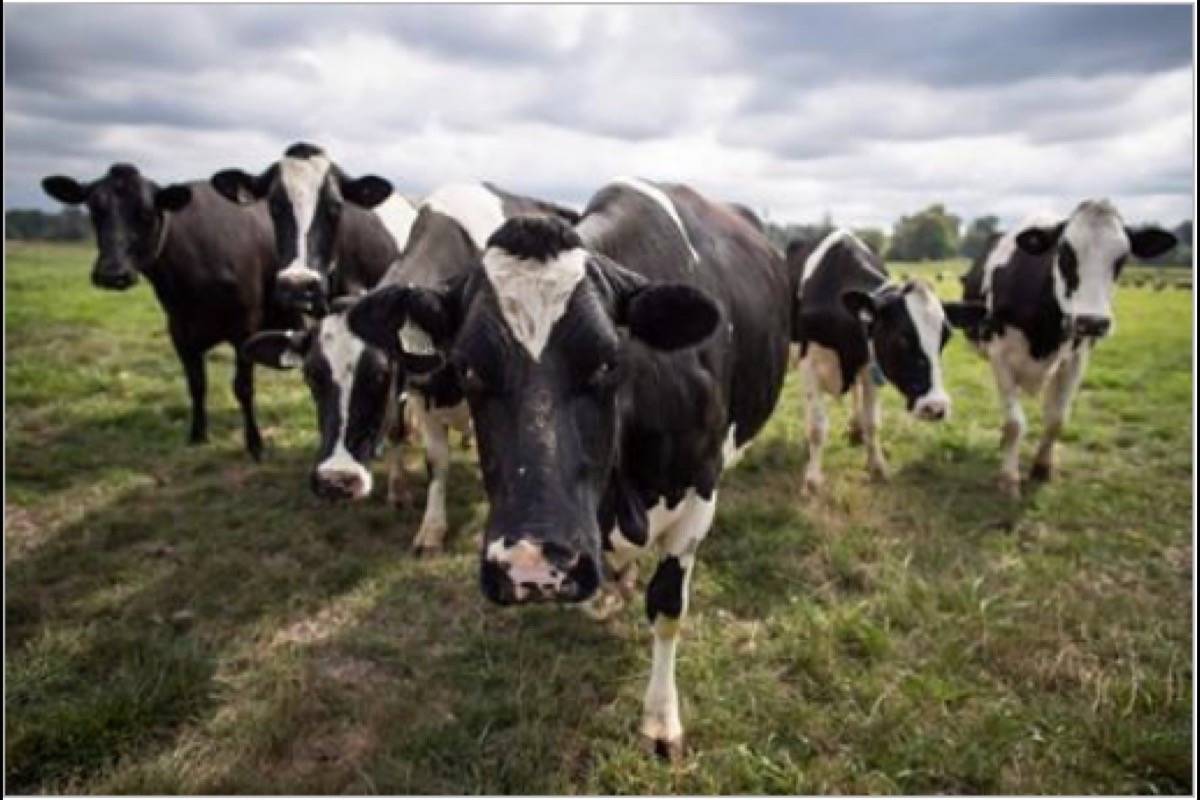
(1047, 288)
(857, 330)
(334, 235)
(211, 264)
(613, 370)
(350, 379)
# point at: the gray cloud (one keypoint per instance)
(862, 111)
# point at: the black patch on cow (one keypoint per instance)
(537, 239)
(1023, 297)
(1068, 267)
(664, 594)
(622, 508)
(441, 388)
(303, 150)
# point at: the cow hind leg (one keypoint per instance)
(1060, 394)
(243, 390)
(818, 426)
(666, 606)
(871, 417)
(432, 532)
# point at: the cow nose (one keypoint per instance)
(1092, 325)
(114, 278)
(337, 484)
(303, 292)
(933, 408)
(525, 570)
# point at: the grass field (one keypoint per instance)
(180, 619)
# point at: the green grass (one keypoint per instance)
(182, 620)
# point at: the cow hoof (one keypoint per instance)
(604, 605)
(428, 540)
(400, 499)
(854, 435)
(255, 449)
(812, 485)
(198, 438)
(1040, 472)
(669, 750)
(1010, 486)
(879, 472)
(424, 551)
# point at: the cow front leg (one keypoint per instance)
(818, 426)
(619, 582)
(399, 495)
(1060, 395)
(854, 429)
(1011, 433)
(666, 606)
(870, 421)
(432, 532)
(197, 384)
(243, 390)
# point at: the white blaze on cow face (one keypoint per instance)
(929, 318)
(1095, 240)
(342, 351)
(660, 197)
(533, 295)
(302, 180)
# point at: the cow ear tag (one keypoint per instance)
(877, 376)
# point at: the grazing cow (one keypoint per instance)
(857, 330)
(1047, 288)
(613, 370)
(335, 235)
(211, 265)
(350, 379)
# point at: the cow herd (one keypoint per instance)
(610, 364)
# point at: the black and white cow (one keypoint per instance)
(350, 379)
(613, 370)
(335, 235)
(211, 264)
(1046, 288)
(856, 330)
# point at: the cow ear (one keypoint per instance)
(964, 315)
(65, 190)
(237, 186)
(173, 198)
(1150, 242)
(861, 305)
(404, 321)
(1039, 241)
(278, 349)
(671, 316)
(367, 191)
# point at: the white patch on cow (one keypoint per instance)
(660, 197)
(1097, 233)
(302, 179)
(397, 216)
(731, 453)
(414, 340)
(1009, 353)
(817, 256)
(826, 366)
(342, 350)
(929, 318)
(472, 206)
(533, 295)
(526, 564)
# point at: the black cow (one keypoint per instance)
(857, 330)
(1046, 288)
(350, 379)
(211, 264)
(334, 235)
(613, 370)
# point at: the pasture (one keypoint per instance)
(180, 619)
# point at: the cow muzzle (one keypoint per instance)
(301, 289)
(115, 279)
(933, 407)
(526, 570)
(341, 484)
(1091, 326)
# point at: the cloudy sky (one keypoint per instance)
(861, 112)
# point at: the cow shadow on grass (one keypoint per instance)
(118, 623)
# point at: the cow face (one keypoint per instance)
(1089, 249)
(128, 217)
(350, 382)
(906, 328)
(305, 193)
(541, 338)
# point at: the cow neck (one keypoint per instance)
(164, 230)
(874, 371)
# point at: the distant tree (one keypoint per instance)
(873, 238)
(69, 225)
(928, 235)
(979, 233)
(1184, 231)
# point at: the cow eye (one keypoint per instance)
(471, 381)
(603, 375)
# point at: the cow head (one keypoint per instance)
(350, 382)
(128, 214)
(1089, 249)
(305, 193)
(541, 338)
(906, 329)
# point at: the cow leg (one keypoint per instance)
(854, 432)
(818, 425)
(666, 606)
(197, 383)
(437, 461)
(243, 390)
(399, 495)
(619, 584)
(1060, 394)
(1013, 430)
(872, 416)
